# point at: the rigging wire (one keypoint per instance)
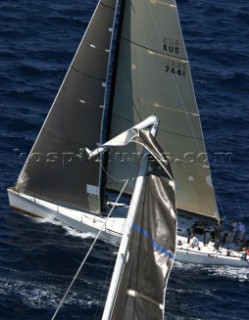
(132, 173)
(88, 253)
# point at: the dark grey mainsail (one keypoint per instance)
(56, 169)
(151, 248)
(153, 77)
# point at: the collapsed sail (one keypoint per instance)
(153, 77)
(57, 169)
(151, 248)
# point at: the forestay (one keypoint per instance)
(153, 77)
(56, 169)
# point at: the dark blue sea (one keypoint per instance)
(38, 258)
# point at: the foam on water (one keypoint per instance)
(214, 271)
(49, 219)
(44, 296)
(75, 233)
(32, 294)
(239, 274)
(69, 231)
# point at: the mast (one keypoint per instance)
(111, 80)
(119, 22)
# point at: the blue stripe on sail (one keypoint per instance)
(154, 244)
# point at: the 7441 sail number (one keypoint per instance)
(176, 71)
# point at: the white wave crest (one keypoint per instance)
(75, 233)
(229, 272)
(69, 231)
(43, 296)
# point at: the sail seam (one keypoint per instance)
(155, 51)
(157, 105)
(87, 75)
(105, 5)
(136, 294)
(84, 101)
(61, 138)
(163, 3)
(161, 130)
(181, 207)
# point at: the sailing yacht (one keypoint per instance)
(130, 64)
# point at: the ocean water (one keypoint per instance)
(38, 258)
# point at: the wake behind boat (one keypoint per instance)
(131, 63)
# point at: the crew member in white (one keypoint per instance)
(194, 242)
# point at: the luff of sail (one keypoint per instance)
(153, 77)
(56, 169)
(139, 291)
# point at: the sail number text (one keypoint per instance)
(175, 68)
(171, 45)
(176, 71)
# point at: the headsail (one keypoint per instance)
(153, 77)
(56, 169)
(149, 257)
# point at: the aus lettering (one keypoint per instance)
(171, 49)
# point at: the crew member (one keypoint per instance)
(195, 241)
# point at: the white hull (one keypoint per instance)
(209, 258)
(197, 258)
(81, 221)
(113, 230)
